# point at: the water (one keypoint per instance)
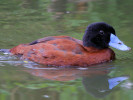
(22, 21)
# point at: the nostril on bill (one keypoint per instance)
(120, 43)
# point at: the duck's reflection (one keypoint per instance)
(66, 74)
(102, 85)
(95, 79)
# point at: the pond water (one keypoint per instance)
(22, 21)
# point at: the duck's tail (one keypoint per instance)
(5, 50)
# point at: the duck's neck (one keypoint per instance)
(86, 39)
(93, 49)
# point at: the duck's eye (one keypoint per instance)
(101, 32)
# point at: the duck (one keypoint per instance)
(94, 48)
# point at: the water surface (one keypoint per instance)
(22, 21)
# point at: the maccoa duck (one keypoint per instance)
(68, 51)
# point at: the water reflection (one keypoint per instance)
(30, 4)
(60, 7)
(100, 86)
(66, 74)
(94, 79)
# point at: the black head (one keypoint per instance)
(98, 35)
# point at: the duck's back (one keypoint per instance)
(61, 51)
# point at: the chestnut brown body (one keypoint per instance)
(62, 51)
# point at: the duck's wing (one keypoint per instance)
(42, 40)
